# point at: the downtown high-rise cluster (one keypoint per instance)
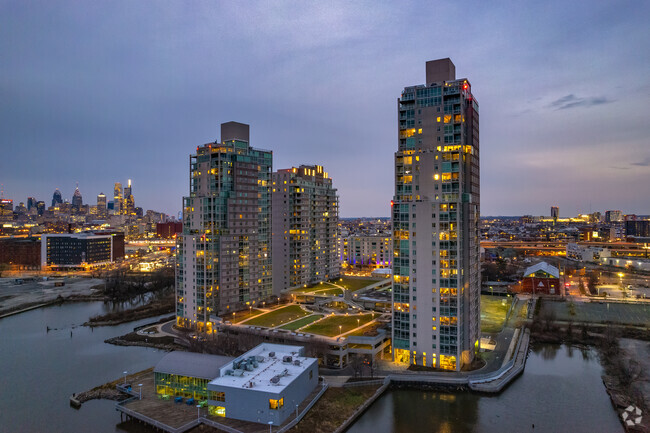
(225, 253)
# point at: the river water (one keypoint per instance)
(39, 370)
(560, 390)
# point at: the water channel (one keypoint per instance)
(39, 370)
(560, 390)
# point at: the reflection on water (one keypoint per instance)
(560, 391)
(41, 369)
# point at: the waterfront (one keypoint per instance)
(41, 369)
(560, 390)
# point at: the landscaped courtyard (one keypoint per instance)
(278, 316)
(334, 325)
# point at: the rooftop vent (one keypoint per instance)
(296, 362)
(286, 358)
(275, 379)
(271, 354)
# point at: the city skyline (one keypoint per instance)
(128, 86)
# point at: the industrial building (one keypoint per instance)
(541, 279)
(435, 214)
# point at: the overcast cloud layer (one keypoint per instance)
(99, 92)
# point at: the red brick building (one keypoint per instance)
(168, 230)
(541, 279)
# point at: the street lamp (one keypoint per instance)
(198, 412)
(140, 386)
(270, 426)
(124, 372)
(296, 411)
(340, 331)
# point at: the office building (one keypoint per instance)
(555, 213)
(223, 260)
(435, 213)
(57, 199)
(101, 205)
(305, 226)
(6, 210)
(129, 200)
(77, 200)
(80, 250)
(614, 216)
(117, 199)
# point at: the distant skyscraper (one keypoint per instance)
(31, 203)
(57, 199)
(129, 200)
(40, 207)
(305, 225)
(101, 204)
(223, 260)
(77, 200)
(555, 212)
(613, 216)
(435, 212)
(6, 210)
(117, 198)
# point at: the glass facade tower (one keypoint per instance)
(223, 259)
(435, 214)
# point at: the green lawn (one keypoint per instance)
(493, 312)
(330, 325)
(328, 292)
(302, 322)
(241, 315)
(354, 284)
(314, 287)
(278, 317)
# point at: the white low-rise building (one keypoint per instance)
(264, 385)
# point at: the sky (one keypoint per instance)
(105, 91)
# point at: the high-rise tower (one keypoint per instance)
(223, 260)
(435, 213)
(57, 199)
(305, 226)
(117, 199)
(77, 199)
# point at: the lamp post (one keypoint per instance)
(124, 372)
(270, 426)
(296, 411)
(140, 386)
(340, 330)
(198, 412)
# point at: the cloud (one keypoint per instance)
(644, 163)
(572, 101)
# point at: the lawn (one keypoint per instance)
(354, 284)
(302, 322)
(493, 312)
(328, 292)
(330, 325)
(278, 316)
(314, 287)
(241, 315)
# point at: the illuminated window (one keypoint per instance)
(276, 404)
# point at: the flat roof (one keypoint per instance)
(268, 367)
(192, 364)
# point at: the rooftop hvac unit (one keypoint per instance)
(271, 354)
(286, 358)
(296, 362)
(238, 373)
(228, 372)
(275, 379)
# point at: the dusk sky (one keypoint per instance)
(99, 92)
